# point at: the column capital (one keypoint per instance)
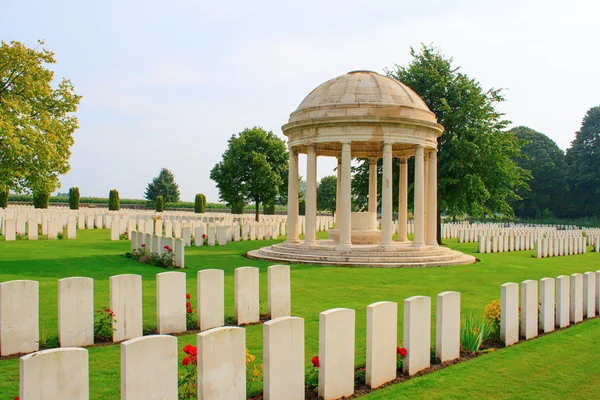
(403, 159)
(373, 160)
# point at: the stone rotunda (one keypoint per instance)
(365, 115)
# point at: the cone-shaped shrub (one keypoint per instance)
(114, 204)
(40, 199)
(74, 198)
(160, 204)
(200, 203)
(3, 198)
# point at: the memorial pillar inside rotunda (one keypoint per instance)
(387, 228)
(292, 218)
(373, 185)
(419, 199)
(432, 200)
(345, 204)
(310, 233)
(403, 201)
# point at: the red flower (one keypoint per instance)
(316, 362)
(204, 236)
(143, 245)
(17, 398)
(166, 247)
(134, 249)
(191, 350)
(186, 349)
(187, 296)
(189, 310)
(186, 361)
(519, 308)
(401, 351)
(188, 304)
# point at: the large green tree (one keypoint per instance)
(583, 159)
(476, 171)
(326, 193)
(163, 185)
(254, 169)
(36, 120)
(546, 162)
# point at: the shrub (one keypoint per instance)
(103, 326)
(40, 199)
(473, 332)
(114, 203)
(190, 321)
(492, 314)
(269, 209)
(200, 203)
(160, 204)
(74, 198)
(302, 207)
(237, 208)
(3, 198)
(188, 381)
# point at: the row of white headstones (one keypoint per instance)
(149, 364)
(19, 302)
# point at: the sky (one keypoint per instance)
(166, 83)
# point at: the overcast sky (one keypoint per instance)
(166, 83)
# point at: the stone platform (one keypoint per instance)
(400, 255)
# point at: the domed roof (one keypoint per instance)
(362, 87)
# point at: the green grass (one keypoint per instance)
(314, 289)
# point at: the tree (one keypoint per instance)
(254, 169)
(476, 171)
(40, 199)
(114, 204)
(74, 198)
(546, 161)
(163, 185)
(4, 198)
(200, 203)
(36, 120)
(326, 194)
(159, 204)
(583, 159)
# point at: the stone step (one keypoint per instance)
(362, 252)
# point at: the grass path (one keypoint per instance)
(314, 289)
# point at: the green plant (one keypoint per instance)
(188, 381)
(253, 374)
(269, 209)
(103, 326)
(492, 314)
(74, 198)
(159, 204)
(199, 203)
(40, 199)
(473, 332)
(4, 198)
(302, 207)
(190, 321)
(123, 236)
(312, 376)
(60, 235)
(360, 375)
(114, 203)
(401, 353)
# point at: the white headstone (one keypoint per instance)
(509, 313)
(417, 333)
(75, 312)
(32, 229)
(279, 291)
(382, 335)
(576, 311)
(563, 308)
(546, 323)
(19, 317)
(222, 364)
(589, 292)
(283, 346)
(336, 353)
(246, 294)
(126, 303)
(149, 368)
(10, 229)
(211, 302)
(447, 331)
(170, 302)
(529, 309)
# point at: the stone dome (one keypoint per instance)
(375, 94)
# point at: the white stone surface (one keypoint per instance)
(186, 235)
(32, 230)
(76, 312)
(447, 330)
(598, 288)
(283, 346)
(336, 353)
(179, 253)
(126, 303)
(576, 311)
(529, 309)
(71, 230)
(509, 313)
(10, 229)
(546, 323)
(280, 299)
(211, 302)
(19, 317)
(589, 291)
(149, 368)
(222, 364)
(382, 336)
(247, 309)
(54, 374)
(563, 308)
(417, 334)
(170, 302)
(198, 232)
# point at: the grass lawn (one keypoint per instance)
(528, 370)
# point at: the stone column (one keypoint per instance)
(419, 233)
(432, 200)
(311, 196)
(403, 201)
(345, 205)
(373, 185)
(292, 217)
(425, 195)
(386, 197)
(338, 190)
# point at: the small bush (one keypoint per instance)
(492, 314)
(103, 326)
(159, 204)
(200, 204)
(40, 199)
(473, 332)
(114, 203)
(302, 207)
(74, 198)
(3, 198)
(269, 209)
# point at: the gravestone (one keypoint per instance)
(76, 312)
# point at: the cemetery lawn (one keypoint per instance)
(556, 365)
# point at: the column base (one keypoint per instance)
(344, 247)
(432, 244)
(419, 245)
(294, 242)
(306, 245)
